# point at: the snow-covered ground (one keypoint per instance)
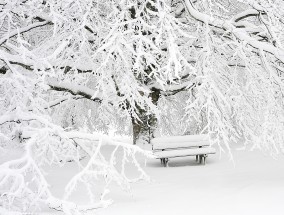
(254, 185)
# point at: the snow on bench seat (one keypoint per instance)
(184, 152)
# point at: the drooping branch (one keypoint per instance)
(240, 34)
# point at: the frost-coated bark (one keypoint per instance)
(70, 68)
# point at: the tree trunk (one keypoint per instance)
(144, 129)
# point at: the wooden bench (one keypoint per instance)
(181, 146)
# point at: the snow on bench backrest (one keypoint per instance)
(180, 141)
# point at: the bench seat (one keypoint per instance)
(184, 152)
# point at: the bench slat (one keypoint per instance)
(184, 152)
(187, 138)
(176, 145)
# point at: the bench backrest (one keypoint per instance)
(174, 142)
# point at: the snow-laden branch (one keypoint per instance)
(239, 33)
(250, 28)
(245, 14)
(59, 101)
(169, 89)
(106, 141)
(16, 59)
(52, 145)
(23, 30)
(74, 89)
(67, 206)
(16, 186)
(18, 116)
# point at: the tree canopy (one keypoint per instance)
(70, 68)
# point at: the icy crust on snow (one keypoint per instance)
(180, 141)
(184, 152)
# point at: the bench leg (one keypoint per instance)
(204, 159)
(196, 158)
(166, 162)
(200, 158)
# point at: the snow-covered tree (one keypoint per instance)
(240, 61)
(69, 68)
(121, 54)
